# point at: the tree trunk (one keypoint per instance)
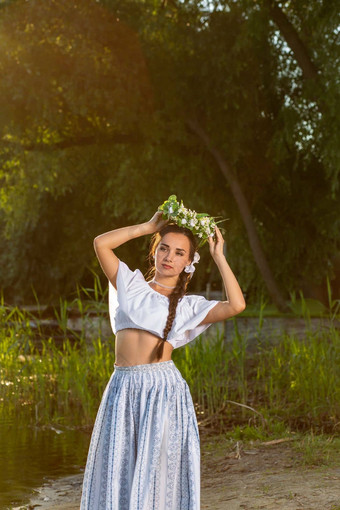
(244, 209)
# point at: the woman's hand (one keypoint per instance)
(216, 247)
(156, 222)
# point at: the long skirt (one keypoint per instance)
(144, 451)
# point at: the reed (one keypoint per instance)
(304, 376)
(293, 382)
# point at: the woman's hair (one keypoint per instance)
(183, 278)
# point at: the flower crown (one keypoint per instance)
(201, 224)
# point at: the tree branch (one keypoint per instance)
(294, 41)
(79, 142)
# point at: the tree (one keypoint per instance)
(96, 131)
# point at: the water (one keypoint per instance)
(29, 455)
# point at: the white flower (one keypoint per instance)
(184, 220)
(171, 209)
(200, 234)
(193, 222)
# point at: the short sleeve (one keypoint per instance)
(124, 280)
(195, 308)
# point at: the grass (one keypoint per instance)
(308, 449)
(318, 450)
(293, 384)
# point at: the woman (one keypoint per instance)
(145, 449)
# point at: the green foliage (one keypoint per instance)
(286, 383)
(96, 99)
(318, 450)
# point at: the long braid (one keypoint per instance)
(182, 282)
(174, 297)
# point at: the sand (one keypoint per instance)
(263, 476)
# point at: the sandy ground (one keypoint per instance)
(263, 476)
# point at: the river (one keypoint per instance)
(30, 455)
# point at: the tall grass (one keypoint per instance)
(292, 381)
(300, 379)
(57, 383)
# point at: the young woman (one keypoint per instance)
(145, 449)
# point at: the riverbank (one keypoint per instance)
(270, 475)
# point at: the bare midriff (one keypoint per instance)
(139, 347)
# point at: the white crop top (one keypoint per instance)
(137, 305)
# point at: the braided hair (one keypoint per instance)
(183, 279)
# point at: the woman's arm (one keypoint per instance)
(236, 303)
(105, 243)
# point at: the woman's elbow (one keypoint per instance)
(97, 241)
(240, 308)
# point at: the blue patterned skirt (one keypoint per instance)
(144, 452)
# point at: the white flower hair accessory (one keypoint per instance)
(201, 224)
(191, 268)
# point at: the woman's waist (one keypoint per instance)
(135, 346)
(143, 367)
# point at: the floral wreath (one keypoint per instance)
(201, 224)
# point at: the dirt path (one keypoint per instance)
(266, 477)
(261, 477)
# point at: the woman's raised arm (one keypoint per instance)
(235, 303)
(105, 243)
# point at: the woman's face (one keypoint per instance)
(172, 254)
